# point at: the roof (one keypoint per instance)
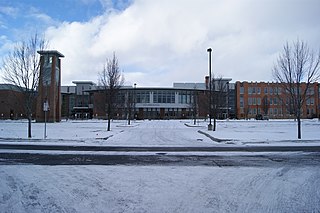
(10, 87)
(83, 82)
(99, 88)
(50, 52)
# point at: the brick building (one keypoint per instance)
(12, 102)
(270, 100)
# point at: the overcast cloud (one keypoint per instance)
(161, 42)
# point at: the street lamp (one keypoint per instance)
(134, 101)
(227, 100)
(209, 50)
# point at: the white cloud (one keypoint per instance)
(9, 11)
(160, 42)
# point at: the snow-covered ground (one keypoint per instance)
(28, 188)
(120, 188)
(165, 133)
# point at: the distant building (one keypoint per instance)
(268, 99)
(183, 100)
(77, 102)
(12, 102)
(85, 100)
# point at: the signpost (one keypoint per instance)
(45, 109)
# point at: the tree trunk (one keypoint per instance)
(109, 123)
(109, 117)
(29, 126)
(299, 127)
(215, 118)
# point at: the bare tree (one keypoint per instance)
(21, 67)
(111, 79)
(296, 69)
(220, 97)
(129, 104)
(194, 104)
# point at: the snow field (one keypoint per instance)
(28, 188)
(165, 133)
(119, 188)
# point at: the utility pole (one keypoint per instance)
(209, 50)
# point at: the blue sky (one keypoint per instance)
(17, 16)
(161, 42)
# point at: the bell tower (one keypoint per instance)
(49, 89)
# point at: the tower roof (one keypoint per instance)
(50, 52)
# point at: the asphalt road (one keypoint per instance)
(173, 156)
(163, 148)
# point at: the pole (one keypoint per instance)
(134, 101)
(227, 100)
(45, 124)
(45, 109)
(209, 50)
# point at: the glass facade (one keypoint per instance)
(142, 96)
(185, 97)
(163, 96)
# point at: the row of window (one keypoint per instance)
(163, 96)
(257, 90)
(270, 101)
(275, 111)
(273, 90)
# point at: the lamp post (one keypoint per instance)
(227, 100)
(134, 100)
(209, 50)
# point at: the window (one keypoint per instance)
(275, 101)
(280, 111)
(142, 97)
(185, 97)
(310, 91)
(161, 96)
(258, 90)
(254, 101)
(249, 101)
(266, 90)
(279, 90)
(270, 90)
(241, 102)
(249, 90)
(241, 90)
(310, 101)
(259, 101)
